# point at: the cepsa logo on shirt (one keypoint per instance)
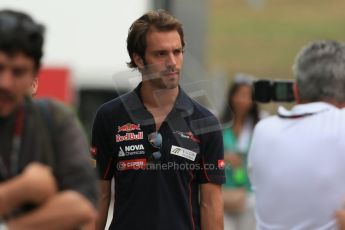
(132, 164)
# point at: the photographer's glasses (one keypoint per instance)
(156, 141)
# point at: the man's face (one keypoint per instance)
(163, 59)
(17, 76)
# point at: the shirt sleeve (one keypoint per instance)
(212, 155)
(73, 169)
(101, 147)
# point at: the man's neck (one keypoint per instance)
(158, 98)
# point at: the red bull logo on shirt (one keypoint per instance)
(130, 137)
(128, 127)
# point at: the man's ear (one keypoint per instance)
(138, 61)
(296, 93)
(34, 86)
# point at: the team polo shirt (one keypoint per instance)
(157, 193)
(296, 167)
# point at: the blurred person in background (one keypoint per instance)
(47, 181)
(138, 136)
(239, 118)
(296, 159)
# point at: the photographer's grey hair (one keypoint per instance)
(319, 69)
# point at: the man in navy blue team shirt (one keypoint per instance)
(163, 149)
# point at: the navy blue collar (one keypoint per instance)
(134, 105)
(183, 102)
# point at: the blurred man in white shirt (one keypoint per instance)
(296, 160)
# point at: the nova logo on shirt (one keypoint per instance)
(134, 147)
(121, 153)
(129, 137)
(131, 150)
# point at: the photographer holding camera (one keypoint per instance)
(296, 159)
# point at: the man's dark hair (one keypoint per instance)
(19, 33)
(160, 20)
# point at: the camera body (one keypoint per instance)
(273, 90)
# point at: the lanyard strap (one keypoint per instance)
(13, 167)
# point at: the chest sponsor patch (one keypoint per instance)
(129, 137)
(128, 127)
(187, 135)
(182, 152)
(132, 164)
(131, 150)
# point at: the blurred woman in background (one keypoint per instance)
(239, 118)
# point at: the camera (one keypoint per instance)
(273, 90)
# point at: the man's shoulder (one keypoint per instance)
(331, 119)
(113, 105)
(53, 108)
(55, 115)
(200, 110)
(269, 120)
(203, 119)
(268, 124)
